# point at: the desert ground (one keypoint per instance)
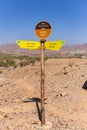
(65, 93)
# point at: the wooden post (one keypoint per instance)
(42, 41)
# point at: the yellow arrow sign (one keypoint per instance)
(54, 45)
(31, 45)
(35, 45)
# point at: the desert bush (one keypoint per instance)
(2, 63)
(7, 63)
(12, 60)
(7, 60)
(23, 57)
(23, 63)
(78, 55)
(26, 62)
(4, 57)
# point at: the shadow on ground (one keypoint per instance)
(37, 101)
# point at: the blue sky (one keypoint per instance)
(68, 19)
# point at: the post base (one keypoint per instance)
(47, 126)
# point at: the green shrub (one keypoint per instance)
(7, 61)
(23, 63)
(12, 60)
(2, 63)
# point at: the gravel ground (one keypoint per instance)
(65, 90)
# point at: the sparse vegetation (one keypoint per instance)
(23, 60)
(78, 55)
(7, 60)
(11, 60)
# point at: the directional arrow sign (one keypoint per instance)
(54, 45)
(35, 45)
(31, 45)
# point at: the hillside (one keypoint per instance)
(66, 51)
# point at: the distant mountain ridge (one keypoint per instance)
(67, 50)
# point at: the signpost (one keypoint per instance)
(42, 30)
(42, 83)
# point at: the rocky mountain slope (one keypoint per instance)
(66, 51)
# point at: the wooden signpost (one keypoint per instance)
(42, 30)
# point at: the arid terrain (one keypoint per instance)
(65, 93)
(76, 50)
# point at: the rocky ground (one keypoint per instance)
(65, 90)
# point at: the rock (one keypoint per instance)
(2, 79)
(1, 117)
(0, 71)
(63, 94)
(11, 68)
(47, 126)
(82, 75)
(17, 101)
(65, 73)
(1, 85)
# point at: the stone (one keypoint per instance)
(47, 126)
(1, 117)
(63, 94)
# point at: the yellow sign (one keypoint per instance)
(54, 45)
(31, 45)
(35, 45)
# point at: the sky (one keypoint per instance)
(68, 19)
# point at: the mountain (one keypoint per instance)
(65, 51)
(15, 50)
